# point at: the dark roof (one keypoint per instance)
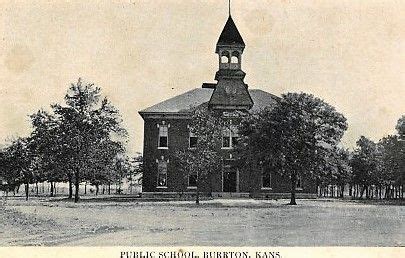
(262, 99)
(231, 93)
(184, 102)
(181, 103)
(230, 35)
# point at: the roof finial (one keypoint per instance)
(229, 7)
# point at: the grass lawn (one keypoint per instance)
(220, 222)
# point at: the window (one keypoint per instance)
(226, 138)
(224, 59)
(235, 57)
(162, 173)
(163, 137)
(192, 140)
(299, 182)
(230, 137)
(192, 180)
(266, 179)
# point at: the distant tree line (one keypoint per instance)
(81, 140)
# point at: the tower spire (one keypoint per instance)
(229, 7)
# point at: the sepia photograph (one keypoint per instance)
(202, 123)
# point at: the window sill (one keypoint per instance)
(227, 148)
(191, 187)
(192, 148)
(266, 188)
(161, 187)
(299, 188)
(163, 148)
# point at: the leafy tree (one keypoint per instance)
(87, 121)
(123, 169)
(401, 133)
(205, 158)
(17, 161)
(137, 171)
(50, 151)
(390, 157)
(10, 175)
(102, 168)
(336, 170)
(365, 164)
(295, 135)
(401, 127)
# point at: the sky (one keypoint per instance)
(351, 53)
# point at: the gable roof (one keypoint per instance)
(183, 103)
(230, 35)
(262, 99)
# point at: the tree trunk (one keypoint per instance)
(51, 192)
(197, 196)
(293, 186)
(342, 189)
(367, 192)
(77, 183)
(27, 188)
(197, 193)
(36, 189)
(85, 188)
(376, 192)
(70, 187)
(362, 191)
(97, 187)
(109, 188)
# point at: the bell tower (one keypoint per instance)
(230, 91)
(230, 48)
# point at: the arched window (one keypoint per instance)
(235, 57)
(225, 57)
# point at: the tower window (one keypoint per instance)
(224, 59)
(163, 136)
(235, 57)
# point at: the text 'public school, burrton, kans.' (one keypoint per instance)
(166, 131)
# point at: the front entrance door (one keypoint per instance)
(229, 180)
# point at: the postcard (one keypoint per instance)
(202, 129)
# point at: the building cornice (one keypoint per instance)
(167, 115)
